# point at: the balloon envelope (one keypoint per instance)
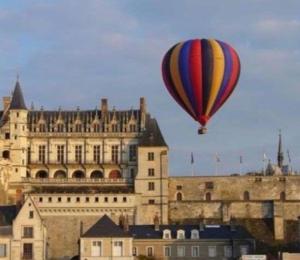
(201, 75)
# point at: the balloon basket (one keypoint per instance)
(202, 131)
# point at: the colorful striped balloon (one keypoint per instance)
(201, 75)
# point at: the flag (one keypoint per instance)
(217, 158)
(288, 154)
(241, 159)
(192, 158)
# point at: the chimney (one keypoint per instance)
(104, 106)
(6, 102)
(143, 105)
(121, 221)
(126, 224)
(156, 223)
(201, 223)
(143, 112)
(232, 225)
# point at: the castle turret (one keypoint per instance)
(18, 133)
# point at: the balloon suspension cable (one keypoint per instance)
(202, 130)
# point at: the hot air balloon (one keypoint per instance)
(201, 74)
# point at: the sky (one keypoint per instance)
(73, 53)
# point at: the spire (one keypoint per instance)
(17, 101)
(280, 157)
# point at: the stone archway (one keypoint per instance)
(41, 174)
(78, 174)
(115, 174)
(96, 175)
(60, 174)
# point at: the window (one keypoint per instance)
(5, 154)
(40, 199)
(179, 196)
(7, 136)
(132, 128)
(208, 196)
(29, 155)
(31, 214)
(180, 234)
(209, 185)
(42, 153)
(96, 127)
(151, 201)
(178, 187)
(167, 234)
(28, 232)
(194, 234)
(27, 251)
(115, 153)
(2, 250)
(124, 199)
(132, 152)
(195, 251)
(59, 199)
(78, 153)
(282, 195)
(87, 199)
(132, 173)
(150, 251)
(134, 251)
(97, 154)
(68, 199)
(228, 251)
(60, 128)
(180, 251)
(96, 248)
(49, 199)
(167, 251)
(151, 156)
(151, 186)
(244, 250)
(115, 199)
(78, 199)
(96, 199)
(106, 199)
(118, 248)
(246, 195)
(42, 128)
(212, 251)
(60, 153)
(151, 172)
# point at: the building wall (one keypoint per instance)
(6, 240)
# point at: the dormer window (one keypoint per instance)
(167, 234)
(60, 128)
(114, 128)
(96, 128)
(194, 234)
(78, 127)
(42, 128)
(180, 234)
(132, 128)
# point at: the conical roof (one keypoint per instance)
(17, 101)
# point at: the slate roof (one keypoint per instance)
(7, 214)
(17, 101)
(6, 231)
(152, 135)
(105, 227)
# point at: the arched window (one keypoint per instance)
(78, 174)
(179, 196)
(194, 234)
(41, 174)
(282, 196)
(246, 195)
(180, 234)
(60, 174)
(96, 175)
(208, 196)
(115, 174)
(5, 154)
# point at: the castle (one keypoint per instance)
(80, 165)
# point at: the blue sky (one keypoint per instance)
(73, 53)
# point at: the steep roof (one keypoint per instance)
(7, 214)
(17, 101)
(152, 136)
(105, 227)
